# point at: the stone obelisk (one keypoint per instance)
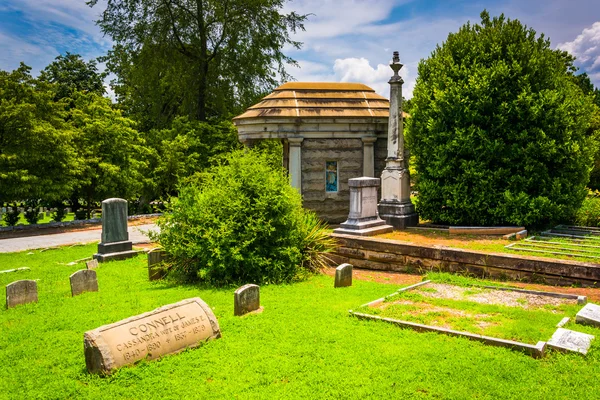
(395, 206)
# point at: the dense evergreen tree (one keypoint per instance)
(499, 129)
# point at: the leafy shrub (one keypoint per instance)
(589, 213)
(33, 216)
(81, 214)
(11, 216)
(241, 222)
(60, 213)
(499, 129)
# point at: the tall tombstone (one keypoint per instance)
(84, 280)
(343, 275)
(115, 244)
(246, 299)
(21, 292)
(363, 219)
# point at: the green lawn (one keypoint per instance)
(304, 345)
(44, 220)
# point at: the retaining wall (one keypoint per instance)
(389, 255)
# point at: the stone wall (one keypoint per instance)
(388, 255)
(331, 207)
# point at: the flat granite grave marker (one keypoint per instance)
(343, 275)
(155, 269)
(92, 264)
(115, 243)
(246, 299)
(21, 292)
(166, 330)
(566, 340)
(82, 281)
(589, 315)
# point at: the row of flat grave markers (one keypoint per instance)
(25, 291)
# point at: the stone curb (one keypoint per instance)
(404, 289)
(536, 351)
(580, 299)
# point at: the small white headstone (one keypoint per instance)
(567, 340)
(589, 315)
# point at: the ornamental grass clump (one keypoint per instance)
(241, 222)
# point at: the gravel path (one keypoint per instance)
(60, 239)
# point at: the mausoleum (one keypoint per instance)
(331, 132)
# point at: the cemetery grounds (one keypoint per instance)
(303, 345)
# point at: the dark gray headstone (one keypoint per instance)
(156, 269)
(115, 244)
(92, 264)
(83, 281)
(114, 220)
(21, 292)
(589, 315)
(246, 299)
(343, 275)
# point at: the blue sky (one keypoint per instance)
(345, 40)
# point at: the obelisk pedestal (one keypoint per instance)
(363, 219)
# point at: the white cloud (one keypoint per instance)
(586, 47)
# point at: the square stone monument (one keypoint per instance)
(363, 219)
(246, 299)
(115, 244)
(589, 315)
(84, 280)
(343, 276)
(21, 292)
(566, 340)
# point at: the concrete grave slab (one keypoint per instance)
(21, 292)
(82, 281)
(166, 330)
(566, 340)
(589, 315)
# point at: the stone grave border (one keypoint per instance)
(536, 351)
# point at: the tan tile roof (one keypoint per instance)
(320, 99)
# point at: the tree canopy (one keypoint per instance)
(195, 58)
(499, 128)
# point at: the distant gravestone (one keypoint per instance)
(246, 299)
(567, 340)
(115, 243)
(589, 315)
(343, 275)
(155, 267)
(92, 264)
(83, 281)
(166, 330)
(21, 292)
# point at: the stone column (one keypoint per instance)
(369, 156)
(295, 168)
(396, 207)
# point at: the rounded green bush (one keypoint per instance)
(242, 222)
(498, 129)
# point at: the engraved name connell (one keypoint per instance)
(166, 330)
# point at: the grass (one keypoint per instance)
(484, 243)
(304, 345)
(512, 323)
(44, 220)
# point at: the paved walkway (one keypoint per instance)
(61, 239)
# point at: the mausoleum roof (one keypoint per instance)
(320, 100)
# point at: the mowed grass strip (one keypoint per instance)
(505, 322)
(304, 345)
